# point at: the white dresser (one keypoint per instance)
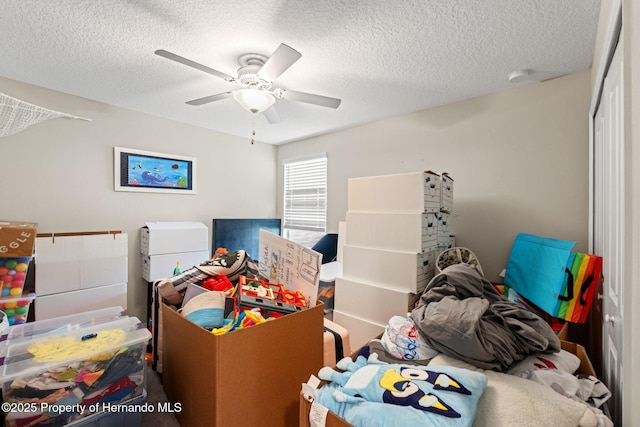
(80, 271)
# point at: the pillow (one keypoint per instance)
(563, 360)
(510, 401)
(374, 394)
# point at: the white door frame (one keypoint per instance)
(631, 11)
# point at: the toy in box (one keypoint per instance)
(17, 308)
(271, 296)
(55, 378)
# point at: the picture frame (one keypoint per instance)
(147, 171)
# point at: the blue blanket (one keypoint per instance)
(370, 393)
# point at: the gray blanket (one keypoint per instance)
(462, 315)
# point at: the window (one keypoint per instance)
(305, 200)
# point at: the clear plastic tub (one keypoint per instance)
(55, 379)
(122, 418)
(62, 324)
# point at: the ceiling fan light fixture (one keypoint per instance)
(254, 100)
(520, 76)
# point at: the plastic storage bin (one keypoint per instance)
(17, 308)
(121, 418)
(56, 379)
(63, 324)
(13, 272)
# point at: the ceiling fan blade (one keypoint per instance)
(283, 58)
(272, 116)
(192, 64)
(309, 98)
(210, 98)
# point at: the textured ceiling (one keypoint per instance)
(382, 58)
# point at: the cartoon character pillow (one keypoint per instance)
(563, 360)
(371, 393)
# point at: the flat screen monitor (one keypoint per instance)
(242, 233)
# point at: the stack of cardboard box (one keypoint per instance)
(166, 246)
(395, 227)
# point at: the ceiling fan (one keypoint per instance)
(256, 76)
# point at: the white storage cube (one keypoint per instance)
(409, 232)
(65, 303)
(408, 271)
(156, 267)
(371, 302)
(361, 331)
(172, 237)
(80, 261)
(407, 192)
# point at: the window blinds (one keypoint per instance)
(305, 194)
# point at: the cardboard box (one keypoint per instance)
(74, 261)
(443, 225)
(446, 193)
(17, 239)
(407, 192)
(370, 302)
(172, 237)
(332, 420)
(249, 377)
(408, 271)
(445, 242)
(408, 232)
(156, 267)
(585, 363)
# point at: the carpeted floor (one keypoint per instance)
(155, 395)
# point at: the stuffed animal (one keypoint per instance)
(368, 386)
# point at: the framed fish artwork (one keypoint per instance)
(137, 170)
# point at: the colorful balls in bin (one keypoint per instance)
(13, 272)
(16, 309)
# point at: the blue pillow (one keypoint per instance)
(375, 394)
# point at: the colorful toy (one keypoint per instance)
(296, 298)
(257, 288)
(219, 252)
(16, 308)
(219, 282)
(269, 296)
(242, 319)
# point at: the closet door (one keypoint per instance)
(609, 233)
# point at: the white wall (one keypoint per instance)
(519, 160)
(59, 173)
